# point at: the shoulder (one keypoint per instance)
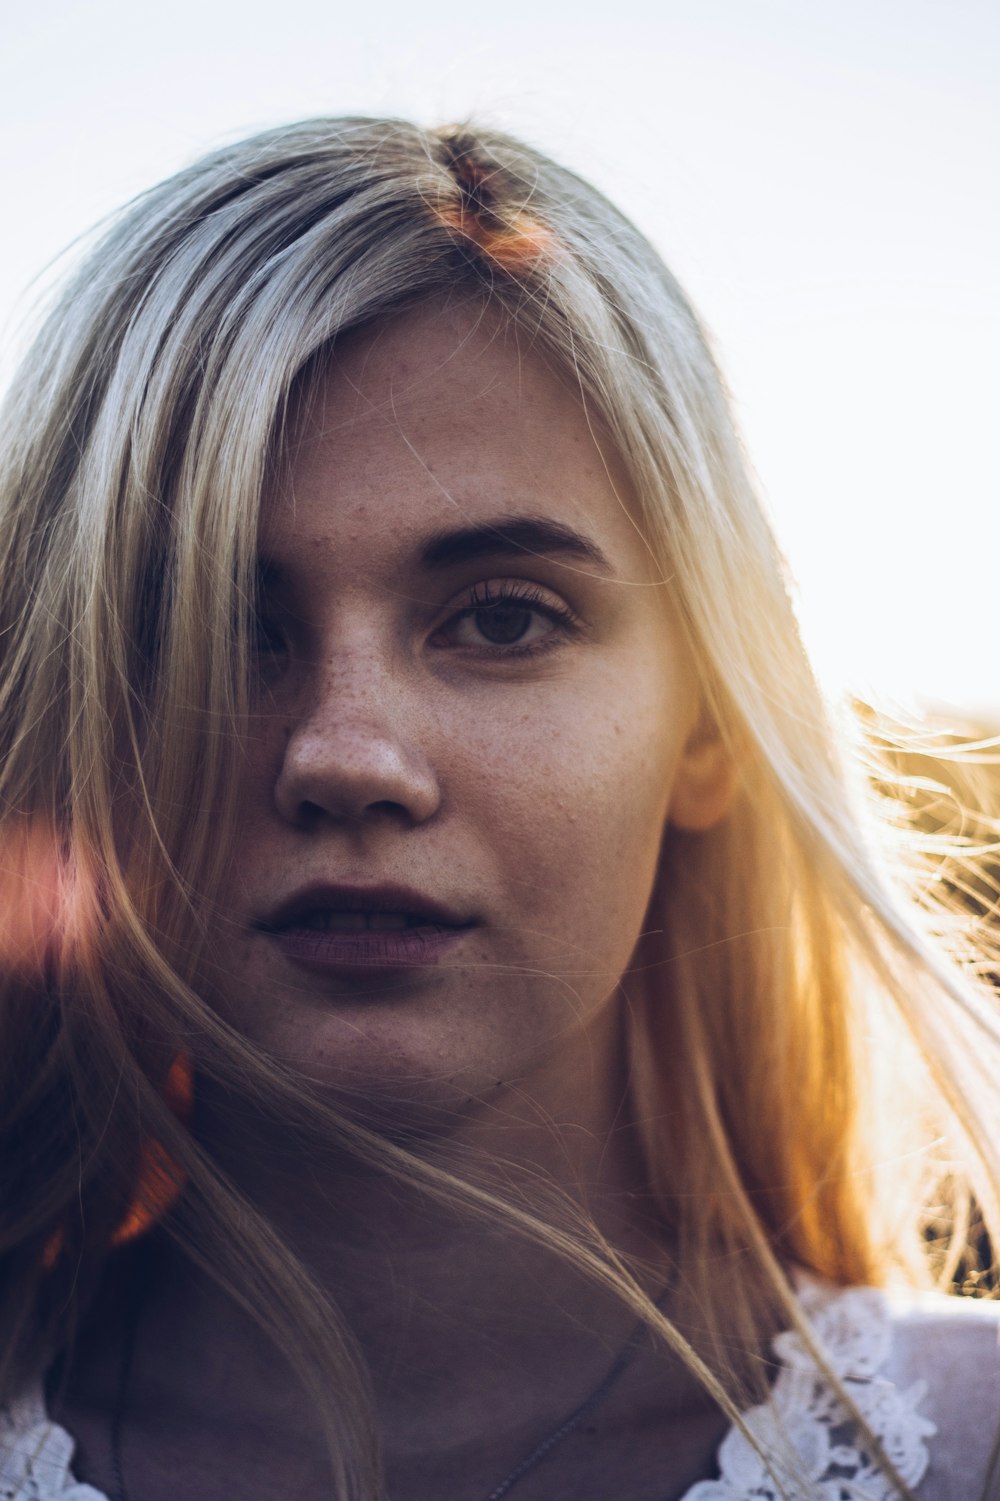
(36, 1455)
(950, 1348)
(921, 1370)
(924, 1370)
(922, 1373)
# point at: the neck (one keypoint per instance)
(476, 1335)
(429, 1289)
(394, 1255)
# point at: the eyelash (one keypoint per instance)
(525, 596)
(486, 596)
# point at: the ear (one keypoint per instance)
(705, 781)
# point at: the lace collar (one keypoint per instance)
(36, 1455)
(803, 1427)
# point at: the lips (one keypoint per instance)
(340, 928)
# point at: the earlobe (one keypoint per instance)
(705, 783)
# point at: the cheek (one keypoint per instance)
(571, 796)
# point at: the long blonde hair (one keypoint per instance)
(796, 976)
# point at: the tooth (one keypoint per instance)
(359, 922)
(345, 922)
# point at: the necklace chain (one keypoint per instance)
(586, 1407)
(517, 1474)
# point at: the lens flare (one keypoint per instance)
(42, 900)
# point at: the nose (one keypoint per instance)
(356, 753)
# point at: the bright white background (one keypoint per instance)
(822, 175)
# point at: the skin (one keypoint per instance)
(530, 791)
(393, 742)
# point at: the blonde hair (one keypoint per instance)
(795, 979)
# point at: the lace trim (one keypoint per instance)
(804, 1428)
(36, 1454)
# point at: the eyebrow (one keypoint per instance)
(510, 536)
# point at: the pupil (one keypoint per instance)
(502, 625)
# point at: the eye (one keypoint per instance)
(508, 617)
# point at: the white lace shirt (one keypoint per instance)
(924, 1372)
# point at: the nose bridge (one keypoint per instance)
(356, 743)
(358, 703)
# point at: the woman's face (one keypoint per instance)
(474, 720)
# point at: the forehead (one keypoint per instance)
(446, 418)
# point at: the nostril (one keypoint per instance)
(312, 815)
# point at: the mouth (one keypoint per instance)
(325, 920)
(334, 929)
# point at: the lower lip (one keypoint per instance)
(394, 948)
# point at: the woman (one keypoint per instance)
(461, 1037)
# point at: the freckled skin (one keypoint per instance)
(529, 793)
(526, 790)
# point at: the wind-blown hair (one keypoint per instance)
(810, 1061)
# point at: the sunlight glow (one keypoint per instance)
(814, 174)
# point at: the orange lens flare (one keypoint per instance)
(160, 1181)
(48, 908)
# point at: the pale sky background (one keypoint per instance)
(821, 174)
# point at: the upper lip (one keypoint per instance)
(323, 897)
